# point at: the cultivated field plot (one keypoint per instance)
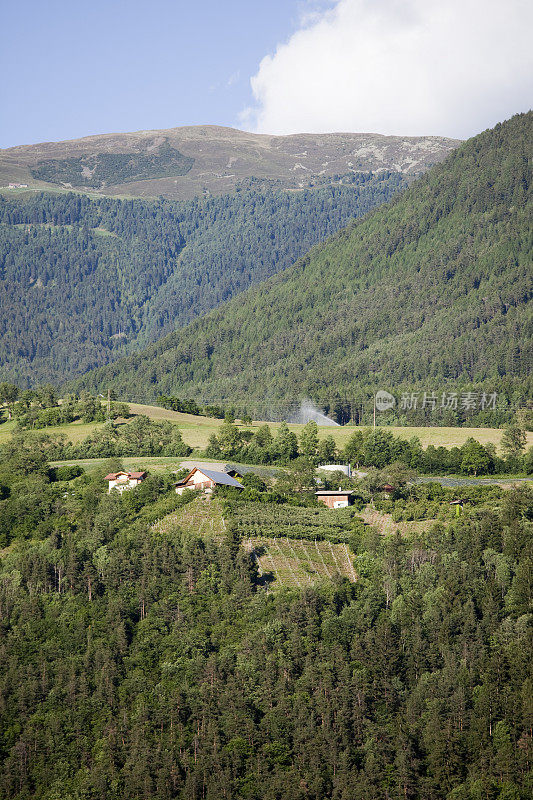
(386, 525)
(296, 522)
(201, 517)
(298, 563)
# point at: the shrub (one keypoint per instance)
(65, 473)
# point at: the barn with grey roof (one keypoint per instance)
(206, 480)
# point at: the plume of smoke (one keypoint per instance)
(309, 411)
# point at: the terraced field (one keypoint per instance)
(201, 517)
(386, 525)
(282, 562)
(298, 563)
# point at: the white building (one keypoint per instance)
(121, 481)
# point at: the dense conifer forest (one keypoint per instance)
(142, 662)
(431, 290)
(108, 168)
(84, 280)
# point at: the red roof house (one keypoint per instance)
(121, 481)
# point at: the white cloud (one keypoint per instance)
(407, 67)
(233, 78)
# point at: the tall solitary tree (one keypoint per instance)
(8, 394)
(309, 441)
(513, 441)
(476, 460)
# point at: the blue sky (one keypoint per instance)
(407, 67)
(75, 68)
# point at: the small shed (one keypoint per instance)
(341, 498)
(459, 505)
(206, 480)
(122, 481)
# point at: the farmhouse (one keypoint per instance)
(124, 480)
(206, 480)
(336, 499)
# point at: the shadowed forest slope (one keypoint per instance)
(86, 280)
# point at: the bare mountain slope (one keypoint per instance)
(184, 162)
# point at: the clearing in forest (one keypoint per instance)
(386, 525)
(298, 563)
(201, 517)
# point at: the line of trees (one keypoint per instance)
(191, 407)
(42, 407)
(368, 447)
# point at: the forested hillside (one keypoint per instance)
(84, 280)
(430, 291)
(139, 661)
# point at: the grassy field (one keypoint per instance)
(197, 430)
(74, 431)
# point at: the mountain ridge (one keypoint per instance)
(222, 158)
